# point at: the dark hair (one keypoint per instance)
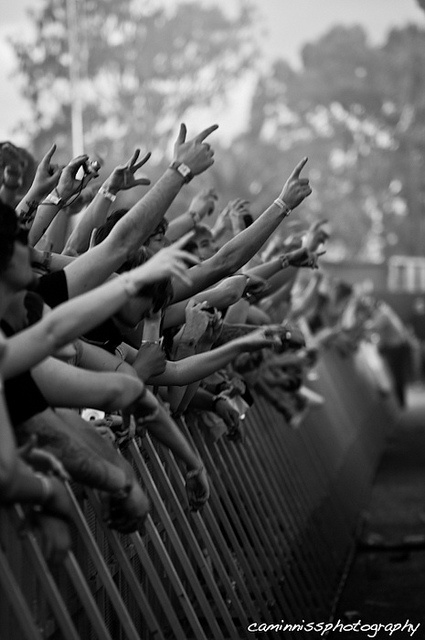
(106, 228)
(9, 228)
(160, 291)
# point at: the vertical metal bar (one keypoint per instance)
(17, 603)
(175, 540)
(86, 598)
(202, 531)
(104, 575)
(158, 587)
(174, 578)
(51, 592)
(235, 529)
(127, 570)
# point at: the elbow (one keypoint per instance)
(122, 391)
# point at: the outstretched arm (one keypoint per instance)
(235, 253)
(97, 264)
(196, 367)
(78, 316)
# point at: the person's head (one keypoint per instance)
(157, 239)
(15, 255)
(105, 229)
(13, 165)
(202, 244)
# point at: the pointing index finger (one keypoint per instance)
(205, 133)
(299, 167)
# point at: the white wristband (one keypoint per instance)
(282, 205)
(107, 194)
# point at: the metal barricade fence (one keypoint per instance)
(270, 546)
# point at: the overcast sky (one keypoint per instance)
(285, 26)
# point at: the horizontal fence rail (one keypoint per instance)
(270, 546)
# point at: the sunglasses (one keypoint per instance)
(22, 235)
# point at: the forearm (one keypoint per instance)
(196, 367)
(223, 295)
(179, 226)
(62, 325)
(86, 456)
(93, 217)
(266, 270)
(164, 429)
(135, 227)
(285, 277)
(238, 312)
(233, 255)
(45, 215)
(66, 386)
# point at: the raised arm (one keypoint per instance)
(93, 267)
(235, 253)
(122, 178)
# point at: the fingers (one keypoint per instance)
(133, 158)
(49, 154)
(181, 138)
(142, 161)
(141, 181)
(299, 167)
(76, 163)
(205, 133)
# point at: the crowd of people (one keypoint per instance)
(128, 321)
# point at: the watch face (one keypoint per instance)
(184, 170)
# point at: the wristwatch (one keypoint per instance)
(183, 170)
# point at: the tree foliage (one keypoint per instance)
(143, 67)
(358, 112)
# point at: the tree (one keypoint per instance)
(358, 112)
(143, 68)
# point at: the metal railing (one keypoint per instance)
(271, 545)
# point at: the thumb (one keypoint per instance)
(181, 138)
(299, 167)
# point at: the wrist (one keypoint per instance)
(281, 203)
(108, 190)
(182, 169)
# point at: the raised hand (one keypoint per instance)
(46, 176)
(69, 184)
(203, 204)
(123, 177)
(296, 189)
(315, 235)
(195, 154)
